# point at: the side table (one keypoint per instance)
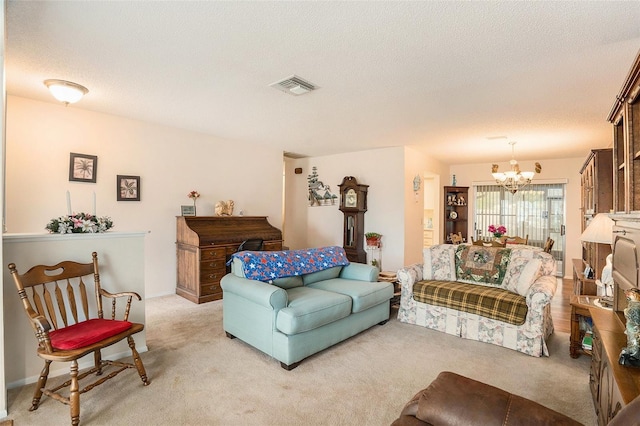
(391, 277)
(579, 309)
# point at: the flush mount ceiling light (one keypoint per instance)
(294, 85)
(514, 179)
(66, 92)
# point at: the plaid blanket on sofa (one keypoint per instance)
(489, 302)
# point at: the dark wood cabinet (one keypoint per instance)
(204, 244)
(625, 117)
(596, 178)
(613, 386)
(456, 218)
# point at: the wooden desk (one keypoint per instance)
(582, 284)
(204, 244)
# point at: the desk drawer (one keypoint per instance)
(212, 254)
(209, 289)
(213, 264)
(211, 275)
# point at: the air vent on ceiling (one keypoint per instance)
(294, 85)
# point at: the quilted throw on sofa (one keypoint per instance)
(269, 265)
(482, 264)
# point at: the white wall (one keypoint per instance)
(566, 168)
(171, 162)
(394, 210)
(381, 169)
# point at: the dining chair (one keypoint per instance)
(548, 245)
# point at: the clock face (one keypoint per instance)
(351, 198)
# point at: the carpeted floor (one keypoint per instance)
(200, 377)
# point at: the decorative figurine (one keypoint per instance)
(224, 208)
(631, 354)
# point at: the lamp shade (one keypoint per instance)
(599, 230)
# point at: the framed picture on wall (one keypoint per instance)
(128, 188)
(83, 167)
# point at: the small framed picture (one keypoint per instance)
(83, 168)
(128, 188)
(188, 210)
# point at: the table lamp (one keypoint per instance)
(600, 230)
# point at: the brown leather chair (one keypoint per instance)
(452, 399)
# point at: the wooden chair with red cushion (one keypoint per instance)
(55, 300)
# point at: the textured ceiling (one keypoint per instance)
(445, 76)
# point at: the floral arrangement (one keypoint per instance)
(497, 231)
(194, 195)
(79, 223)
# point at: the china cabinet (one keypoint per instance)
(596, 179)
(455, 212)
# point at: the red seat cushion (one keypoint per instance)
(86, 333)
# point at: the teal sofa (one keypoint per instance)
(293, 317)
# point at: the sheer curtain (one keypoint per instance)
(536, 211)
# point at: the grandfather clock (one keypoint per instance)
(353, 204)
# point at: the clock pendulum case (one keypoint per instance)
(353, 204)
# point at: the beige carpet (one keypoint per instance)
(200, 377)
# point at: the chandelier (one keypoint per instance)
(514, 179)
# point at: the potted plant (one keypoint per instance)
(373, 239)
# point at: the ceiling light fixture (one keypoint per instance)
(514, 179)
(66, 92)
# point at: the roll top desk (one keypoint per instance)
(204, 244)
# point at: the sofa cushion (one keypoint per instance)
(489, 302)
(310, 308)
(363, 294)
(483, 265)
(439, 262)
(326, 274)
(521, 274)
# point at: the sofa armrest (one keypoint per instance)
(360, 272)
(541, 292)
(261, 293)
(408, 276)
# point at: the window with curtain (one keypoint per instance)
(536, 211)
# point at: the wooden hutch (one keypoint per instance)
(455, 212)
(613, 385)
(596, 182)
(204, 244)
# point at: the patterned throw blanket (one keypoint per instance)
(269, 265)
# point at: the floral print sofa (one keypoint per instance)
(488, 294)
